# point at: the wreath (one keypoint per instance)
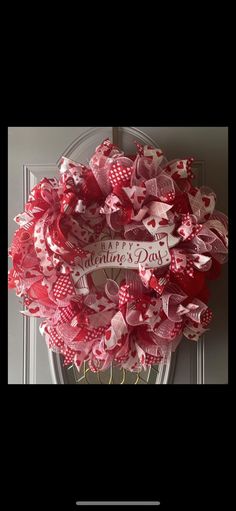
(140, 214)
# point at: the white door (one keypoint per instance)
(33, 153)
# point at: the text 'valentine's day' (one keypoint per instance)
(125, 254)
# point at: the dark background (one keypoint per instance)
(116, 443)
(63, 444)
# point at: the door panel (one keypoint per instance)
(210, 145)
(30, 145)
(33, 147)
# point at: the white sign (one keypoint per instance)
(124, 254)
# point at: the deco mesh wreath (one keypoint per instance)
(141, 213)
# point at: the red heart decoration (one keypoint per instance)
(178, 260)
(163, 222)
(152, 222)
(33, 311)
(181, 231)
(28, 275)
(161, 243)
(180, 165)
(108, 335)
(50, 268)
(38, 250)
(191, 336)
(41, 241)
(101, 307)
(206, 201)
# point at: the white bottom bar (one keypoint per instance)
(117, 503)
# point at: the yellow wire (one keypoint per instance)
(111, 375)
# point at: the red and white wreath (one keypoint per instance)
(119, 211)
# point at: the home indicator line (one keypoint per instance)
(118, 503)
